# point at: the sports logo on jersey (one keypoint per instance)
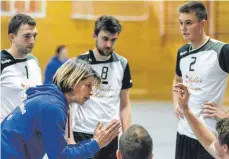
(183, 53)
(5, 61)
(23, 91)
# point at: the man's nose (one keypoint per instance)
(91, 92)
(183, 27)
(32, 40)
(109, 44)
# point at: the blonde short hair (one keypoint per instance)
(72, 72)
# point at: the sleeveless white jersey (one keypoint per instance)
(204, 71)
(16, 76)
(104, 105)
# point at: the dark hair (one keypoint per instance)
(59, 48)
(107, 23)
(18, 20)
(195, 6)
(136, 143)
(222, 128)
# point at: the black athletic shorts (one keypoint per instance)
(108, 152)
(188, 148)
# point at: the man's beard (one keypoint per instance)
(101, 52)
(24, 51)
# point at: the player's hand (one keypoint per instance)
(104, 135)
(183, 96)
(212, 110)
(178, 112)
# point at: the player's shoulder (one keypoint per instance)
(184, 48)
(84, 56)
(221, 44)
(30, 56)
(117, 57)
(6, 59)
(214, 41)
(215, 45)
(6, 55)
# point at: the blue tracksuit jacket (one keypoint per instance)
(38, 127)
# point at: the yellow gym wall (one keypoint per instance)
(151, 55)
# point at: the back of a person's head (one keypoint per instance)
(136, 143)
(222, 128)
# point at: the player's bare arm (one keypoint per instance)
(205, 136)
(177, 79)
(125, 109)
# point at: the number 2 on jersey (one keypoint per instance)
(192, 63)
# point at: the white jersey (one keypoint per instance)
(104, 105)
(204, 71)
(16, 76)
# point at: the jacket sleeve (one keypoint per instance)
(53, 121)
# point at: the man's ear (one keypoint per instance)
(204, 23)
(11, 36)
(93, 35)
(118, 154)
(225, 148)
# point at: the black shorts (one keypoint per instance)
(188, 148)
(108, 152)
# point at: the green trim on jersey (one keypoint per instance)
(30, 56)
